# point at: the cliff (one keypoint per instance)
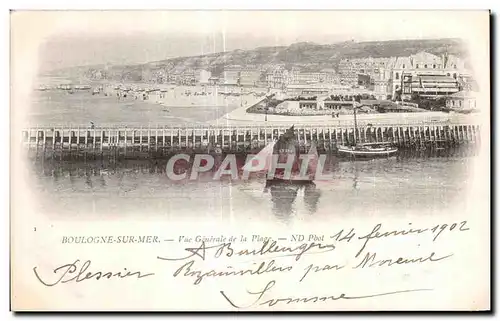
(308, 56)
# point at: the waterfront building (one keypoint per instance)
(174, 77)
(250, 77)
(349, 69)
(337, 104)
(385, 75)
(308, 104)
(453, 66)
(159, 76)
(426, 61)
(231, 76)
(297, 77)
(428, 85)
(213, 81)
(463, 100)
(428, 74)
(364, 80)
(277, 78)
(307, 90)
(331, 76)
(202, 76)
(188, 78)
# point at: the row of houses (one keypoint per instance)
(229, 76)
(463, 101)
(425, 73)
(272, 76)
(277, 77)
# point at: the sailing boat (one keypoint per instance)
(366, 150)
(283, 148)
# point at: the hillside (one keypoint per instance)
(309, 56)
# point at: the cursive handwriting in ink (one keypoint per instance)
(316, 268)
(260, 294)
(268, 247)
(311, 299)
(370, 260)
(189, 270)
(375, 234)
(440, 228)
(199, 251)
(68, 273)
(437, 230)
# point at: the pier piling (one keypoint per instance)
(126, 140)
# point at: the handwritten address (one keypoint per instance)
(268, 257)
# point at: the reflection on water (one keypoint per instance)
(283, 196)
(126, 188)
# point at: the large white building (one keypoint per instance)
(202, 76)
(307, 90)
(428, 74)
(250, 77)
(277, 77)
(386, 74)
(231, 76)
(349, 69)
(297, 77)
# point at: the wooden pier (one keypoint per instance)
(165, 140)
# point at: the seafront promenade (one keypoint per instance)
(239, 117)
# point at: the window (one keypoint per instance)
(448, 74)
(404, 66)
(397, 75)
(425, 66)
(434, 66)
(455, 76)
(417, 66)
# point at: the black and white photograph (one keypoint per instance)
(250, 160)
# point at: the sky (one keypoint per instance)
(68, 38)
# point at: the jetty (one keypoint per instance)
(163, 140)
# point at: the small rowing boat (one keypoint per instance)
(369, 150)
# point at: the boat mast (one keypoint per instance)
(355, 120)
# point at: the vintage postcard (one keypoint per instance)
(250, 160)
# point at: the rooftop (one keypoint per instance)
(464, 94)
(307, 86)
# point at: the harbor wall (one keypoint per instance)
(239, 139)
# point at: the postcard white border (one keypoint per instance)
(150, 4)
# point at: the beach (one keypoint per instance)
(141, 104)
(62, 108)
